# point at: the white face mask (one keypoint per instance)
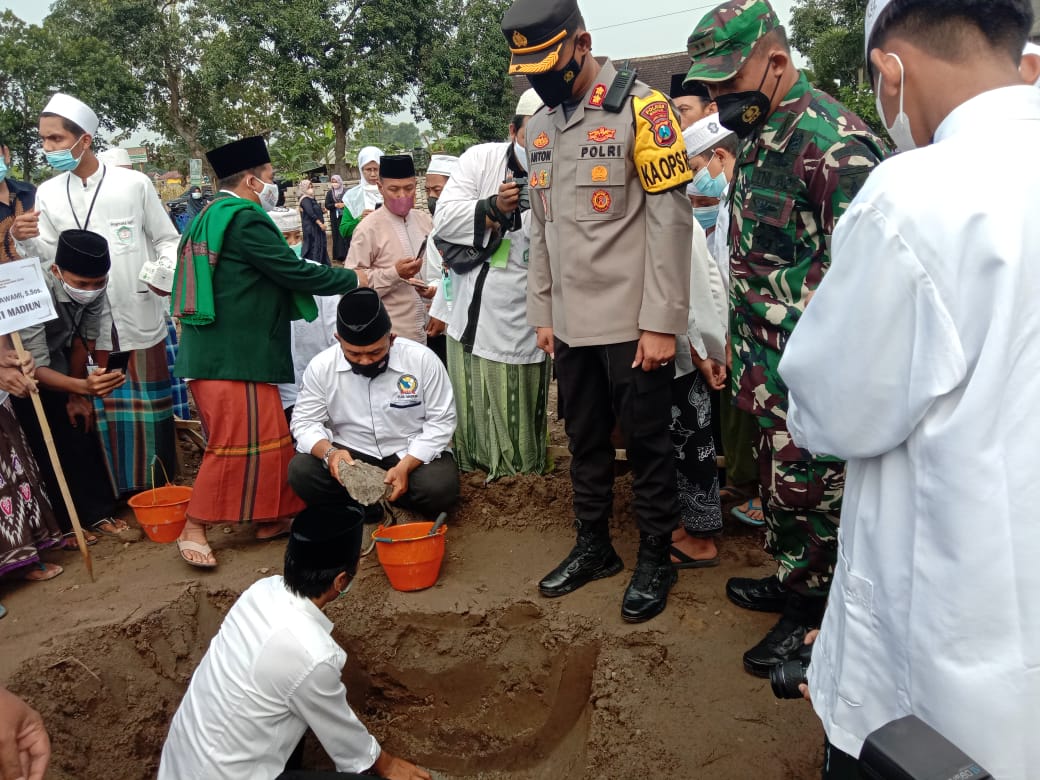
(900, 128)
(84, 297)
(268, 195)
(521, 155)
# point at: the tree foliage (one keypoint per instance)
(465, 90)
(38, 60)
(830, 35)
(337, 62)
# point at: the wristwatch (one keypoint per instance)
(328, 456)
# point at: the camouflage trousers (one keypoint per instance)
(801, 496)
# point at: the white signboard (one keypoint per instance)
(25, 299)
(195, 170)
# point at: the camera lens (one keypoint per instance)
(786, 677)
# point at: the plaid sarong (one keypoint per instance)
(136, 421)
(181, 409)
(244, 475)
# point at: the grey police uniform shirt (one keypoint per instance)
(611, 227)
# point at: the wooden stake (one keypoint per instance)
(48, 437)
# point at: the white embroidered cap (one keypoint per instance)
(704, 134)
(528, 104)
(443, 165)
(874, 9)
(74, 110)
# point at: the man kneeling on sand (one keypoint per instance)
(274, 670)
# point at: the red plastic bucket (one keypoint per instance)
(161, 511)
(411, 559)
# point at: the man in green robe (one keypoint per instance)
(238, 286)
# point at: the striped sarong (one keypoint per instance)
(136, 421)
(243, 477)
(501, 409)
(181, 409)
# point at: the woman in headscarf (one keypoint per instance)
(334, 205)
(315, 242)
(195, 202)
(364, 198)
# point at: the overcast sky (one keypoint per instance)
(620, 28)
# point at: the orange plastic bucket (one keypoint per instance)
(412, 560)
(161, 510)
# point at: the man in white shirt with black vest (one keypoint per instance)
(387, 401)
(273, 671)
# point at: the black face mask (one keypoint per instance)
(557, 86)
(372, 370)
(431, 204)
(745, 112)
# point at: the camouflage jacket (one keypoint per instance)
(793, 181)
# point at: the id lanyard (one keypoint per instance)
(68, 194)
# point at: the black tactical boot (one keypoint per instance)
(800, 616)
(654, 576)
(592, 558)
(764, 595)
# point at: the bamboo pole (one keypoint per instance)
(52, 452)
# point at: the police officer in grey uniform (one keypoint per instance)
(608, 284)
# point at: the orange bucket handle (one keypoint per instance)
(166, 476)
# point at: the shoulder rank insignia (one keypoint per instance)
(598, 93)
(659, 152)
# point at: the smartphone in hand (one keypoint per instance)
(118, 361)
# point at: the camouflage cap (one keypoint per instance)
(724, 38)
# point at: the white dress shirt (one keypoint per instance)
(307, 339)
(409, 409)
(918, 361)
(705, 324)
(502, 334)
(129, 214)
(272, 671)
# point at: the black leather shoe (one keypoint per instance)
(782, 643)
(591, 559)
(647, 593)
(764, 595)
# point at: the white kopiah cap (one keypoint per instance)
(74, 110)
(704, 134)
(874, 9)
(117, 155)
(528, 104)
(442, 165)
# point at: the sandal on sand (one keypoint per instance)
(686, 562)
(281, 529)
(115, 527)
(202, 549)
(731, 493)
(41, 572)
(70, 543)
(3, 610)
(742, 513)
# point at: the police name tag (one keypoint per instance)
(25, 299)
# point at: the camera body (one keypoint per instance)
(786, 677)
(525, 191)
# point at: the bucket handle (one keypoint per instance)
(166, 476)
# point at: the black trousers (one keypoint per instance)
(597, 385)
(81, 456)
(432, 488)
(839, 765)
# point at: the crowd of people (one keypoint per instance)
(742, 266)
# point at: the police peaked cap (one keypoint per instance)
(237, 156)
(83, 253)
(322, 538)
(536, 31)
(361, 318)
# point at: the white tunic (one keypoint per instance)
(918, 360)
(705, 325)
(272, 671)
(130, 215)
(409, 409)
(502, 334)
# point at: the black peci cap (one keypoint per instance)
(361, 318)
(536, 30)
(693, 89)
(237, 156)
(322, 538)
(396, 166)
(83, 253)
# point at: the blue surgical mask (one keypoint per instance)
(62, 160)
(3, 169)
(709, 186)
(706, 216)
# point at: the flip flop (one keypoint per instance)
(114, 521)
(730, 493)
(70, 544)
(3, 610)
(41, 572)
(752, 505)
(202, 549)
(686, 562)
(284, 531)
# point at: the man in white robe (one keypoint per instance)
(917, 361)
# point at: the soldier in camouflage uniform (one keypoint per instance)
(804, 158)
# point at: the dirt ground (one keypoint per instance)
(477, 677)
